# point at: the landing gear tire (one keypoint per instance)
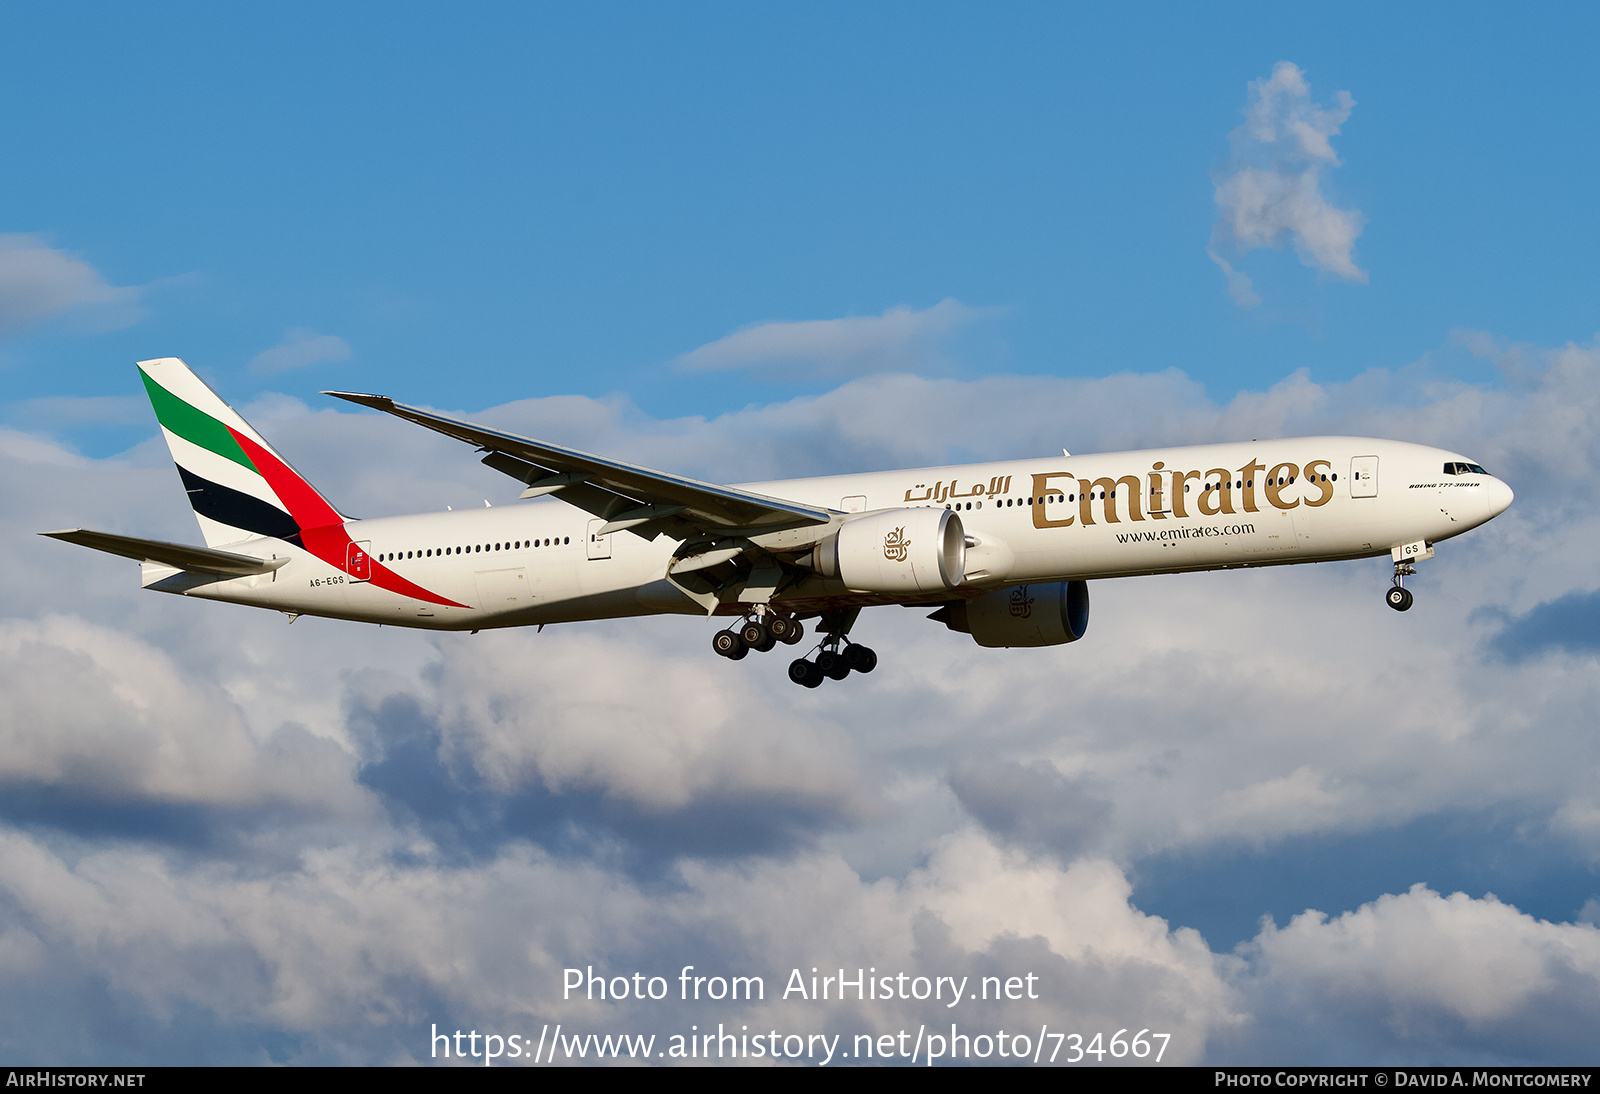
(757, 636)
(729, 644)
(805, 673)
(832, 665)
(785, 630)
(1398, 598)
(860, 658)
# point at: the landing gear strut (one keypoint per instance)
(1399, 597)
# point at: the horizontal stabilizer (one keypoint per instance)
(179, 555)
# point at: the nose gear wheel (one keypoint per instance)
(1399, 597)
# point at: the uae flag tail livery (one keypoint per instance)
(240, 488)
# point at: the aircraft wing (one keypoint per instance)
(180, 555)
(627, 497)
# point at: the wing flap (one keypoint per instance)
(195, 559)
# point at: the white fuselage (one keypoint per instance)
(1028, 521)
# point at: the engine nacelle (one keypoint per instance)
(895, 551)
(1023, 615)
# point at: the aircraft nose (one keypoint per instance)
(1500, 497)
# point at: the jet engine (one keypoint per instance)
(895, 551)
(1023, 615)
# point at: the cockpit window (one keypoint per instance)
(1463, 469)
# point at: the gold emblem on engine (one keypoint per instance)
(1021, 603)
(895, 545)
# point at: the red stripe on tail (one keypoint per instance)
(322, 527)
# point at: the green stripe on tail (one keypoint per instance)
(193, 425)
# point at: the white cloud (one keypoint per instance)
(897, 340)
(346, 944)
(1273, 186)
(103, 716)
(39, 283)
(1418, 972)
(1240, 288)
(301, 347)
(659, 738)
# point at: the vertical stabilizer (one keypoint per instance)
(238, 485)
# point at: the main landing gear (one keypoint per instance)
(836, 656)
(1399, 597)
(760, 634)
(833, 662)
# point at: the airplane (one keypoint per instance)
(1001, 551)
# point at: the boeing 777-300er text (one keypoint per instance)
(1001, 551)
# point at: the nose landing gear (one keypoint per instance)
(1399, 597)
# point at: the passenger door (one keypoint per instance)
(599, 546)
(357, 562)
(1364, 477)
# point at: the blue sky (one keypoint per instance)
(527, 201)
(748, 241)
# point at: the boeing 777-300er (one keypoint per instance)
(1001, 551)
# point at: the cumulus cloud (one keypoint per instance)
(39, 283)
(301, 348)
(897, 340)
(345, 946)
(1272, 188)
(1031, 804)
(612, 794)
(721, 738)
(1428, 978)
(101, 716)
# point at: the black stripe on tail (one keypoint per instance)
(236, 509)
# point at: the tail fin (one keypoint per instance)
(238, 485)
